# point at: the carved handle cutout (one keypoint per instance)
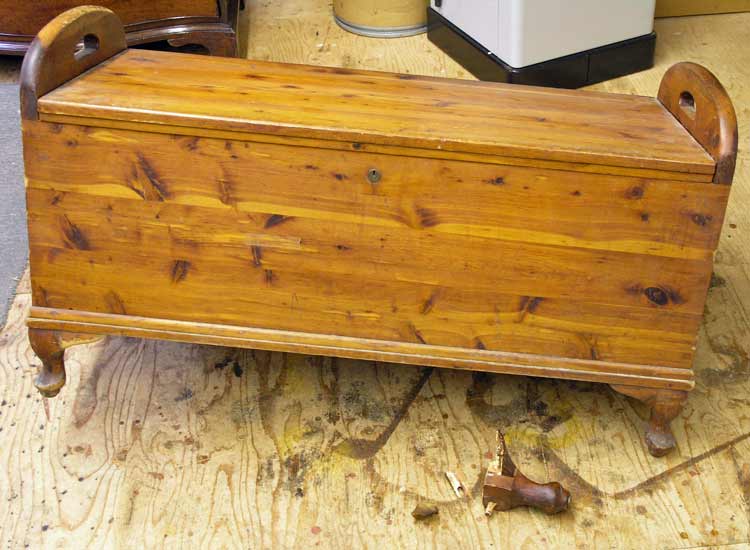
(88, 45)
(699, 102)
(687, 103)
(73, 42)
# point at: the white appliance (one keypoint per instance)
(522, 33)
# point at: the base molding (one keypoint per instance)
(413, 353)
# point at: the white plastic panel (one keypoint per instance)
(477, 18)
(548, 29)
(524, 32)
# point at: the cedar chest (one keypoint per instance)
(470, 225)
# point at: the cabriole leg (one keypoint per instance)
(50, 345)
(665, 405)
(46, 345)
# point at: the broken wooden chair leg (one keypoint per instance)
(665, 405)
(506, 487)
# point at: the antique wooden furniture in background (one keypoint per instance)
(371, 215)
(208, 23)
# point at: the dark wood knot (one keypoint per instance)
(657, 295)
(634, 193)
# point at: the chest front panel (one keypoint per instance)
(360, 244)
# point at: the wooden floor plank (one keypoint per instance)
(166, 445)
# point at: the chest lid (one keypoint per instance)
(576, 130)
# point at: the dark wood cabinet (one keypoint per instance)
(208, 23)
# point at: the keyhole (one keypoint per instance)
(373, 174)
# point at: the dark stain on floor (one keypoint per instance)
(736, 358)
(367, 448)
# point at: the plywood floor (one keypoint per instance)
(164, 445)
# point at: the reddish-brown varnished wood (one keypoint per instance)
(665, 405)
(54, 56)
(698, 100)
(370, 215)
(208, 23)
(49, 346)
(505, 487)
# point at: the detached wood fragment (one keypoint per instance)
(424, 510)
(506, 487)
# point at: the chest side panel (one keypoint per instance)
(440, 252)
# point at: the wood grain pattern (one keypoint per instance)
(698, 100)
(54, 56)
(232, 441)
(356, 260)
(47, 319)
(381, 108)
(161, 445)
(399, 151)
(665, 218)
(272, 249)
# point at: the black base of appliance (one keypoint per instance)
(571, 71)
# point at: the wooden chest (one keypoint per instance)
(416, 220)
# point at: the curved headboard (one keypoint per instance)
(70, 44)
(698, 100)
